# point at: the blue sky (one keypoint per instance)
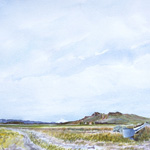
(65, 59)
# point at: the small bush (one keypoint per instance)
(118, 129)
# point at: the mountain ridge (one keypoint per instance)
(19, 121)
(111, 118)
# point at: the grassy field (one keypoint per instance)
(54, 126)
(101, 135)
(42, 144)
(9, 138)
(104, 134)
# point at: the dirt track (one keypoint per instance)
(29, 145)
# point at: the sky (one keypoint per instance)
(65, 59)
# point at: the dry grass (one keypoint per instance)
(69, 136)
(10, 138)
(43, 144)
(143, 135)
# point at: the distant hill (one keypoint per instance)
(111, 118)
(95, 118)
(14, 121)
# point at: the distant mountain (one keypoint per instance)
(111, 118)
(95, 118)
(14, 121)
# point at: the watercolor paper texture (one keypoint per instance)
(61, 60)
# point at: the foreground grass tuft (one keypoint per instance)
(44, 144)
(10, 138)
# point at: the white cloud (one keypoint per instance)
(81, 57)
(61, 121)
(140, 44)
(101, 53)
(60, 57)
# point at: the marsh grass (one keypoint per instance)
(9, 138)
(69, 136)
(44, 144)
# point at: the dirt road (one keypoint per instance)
(28, 144)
